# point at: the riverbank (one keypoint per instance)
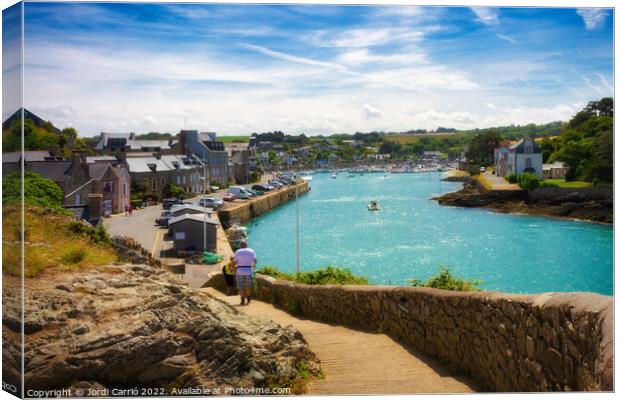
(551, 202)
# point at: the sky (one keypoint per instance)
(238, 69)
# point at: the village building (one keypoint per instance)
(556, 170)
(185, 171)
(188, 234)
(123, 143)
(523, 156)
(205, 147)
(148, 174)
(113, 183)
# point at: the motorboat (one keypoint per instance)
(334, 175)
(373, 206)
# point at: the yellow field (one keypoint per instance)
(406, 139)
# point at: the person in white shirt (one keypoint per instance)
(245, 265)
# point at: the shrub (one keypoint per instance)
(529, 181)
(37, 190)
(473, 170)
(445, 280)
(73, 256)
(512, 178)
(325, 276)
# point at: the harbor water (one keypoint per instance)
(412, 236)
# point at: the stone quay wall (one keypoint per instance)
(242, 213)
(520, 343)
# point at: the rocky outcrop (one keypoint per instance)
(564, 203)
(138, 326)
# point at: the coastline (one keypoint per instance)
(590, 210)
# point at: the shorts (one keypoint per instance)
(244, 281)
(230, 280)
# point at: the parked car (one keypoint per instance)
(169, 203)
(163, 218)
(275, 183)
(212, 202)
(254, 193)
(229, 197)
(261, 188)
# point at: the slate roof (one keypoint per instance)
(54, 170)
(97, 170)
(141, 164)
(15, 156)
(193, 217)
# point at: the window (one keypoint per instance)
(178, 180)
(69, 182)
(78, 199)
(528, 162)
(154, 184)
(124, 188)
(163, 182)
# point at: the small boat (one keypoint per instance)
(373, 206)
(334, 175)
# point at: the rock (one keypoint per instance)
(127, 324)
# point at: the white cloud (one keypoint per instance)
(491, 106)
(296, 59)
(506, 38)
(370, 111)
(486, 15)
(605, 83)
(150, 119)
(367, 37)
(591, 85)
(364, 56)
(593, 18)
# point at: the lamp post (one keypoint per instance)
(204, 201)
(297, 217)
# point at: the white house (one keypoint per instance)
(523, 156)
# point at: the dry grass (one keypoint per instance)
(484, 181)
(50, 243)
(406, 139)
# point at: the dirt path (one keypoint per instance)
(357, 362)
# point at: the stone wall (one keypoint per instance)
(243, 212)
(521, 343)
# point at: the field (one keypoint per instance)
(234, 139)
(572, 185)
(406, 139)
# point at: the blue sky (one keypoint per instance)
(312, 69)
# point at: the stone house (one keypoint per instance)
(186, 172)
(113, 183)
(148, 173)
(204, 146)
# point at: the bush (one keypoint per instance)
(325, 276)
(473, 170)
(512, 178)
(74, 256)
(173, 191)
(529, 181)
(38, 191)
(445, 280)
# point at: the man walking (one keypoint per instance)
(245, 265)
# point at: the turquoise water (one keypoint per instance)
(411, 236)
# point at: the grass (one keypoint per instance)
(484, 181)
(234, 139)
(407, 139)
(53, 241)
(572, 185)
(324, 276)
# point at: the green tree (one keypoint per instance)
(482, 147)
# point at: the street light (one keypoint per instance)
(204, 201)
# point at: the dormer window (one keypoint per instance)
(152, 166)
(528, 149)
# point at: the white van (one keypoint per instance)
(239, 192)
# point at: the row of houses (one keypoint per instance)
(525, 156)
(91, 190)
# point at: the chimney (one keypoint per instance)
(94, 207)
